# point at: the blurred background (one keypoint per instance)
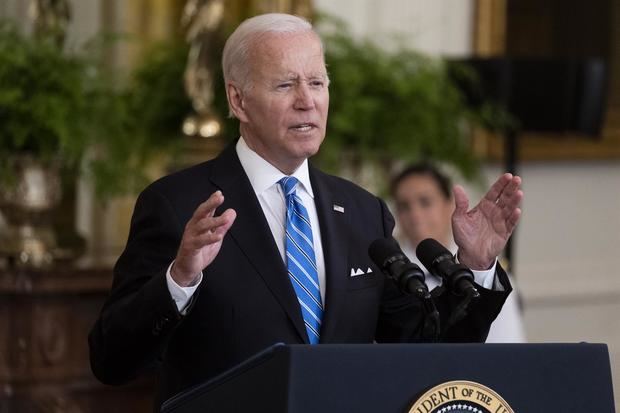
(100, 97)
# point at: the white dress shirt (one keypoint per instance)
(264, 179)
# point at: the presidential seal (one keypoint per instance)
(460, 397)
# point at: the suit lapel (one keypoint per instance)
(252, 234)
(333, 229)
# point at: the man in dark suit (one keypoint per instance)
(210, 276)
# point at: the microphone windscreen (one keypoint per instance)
(429, 250)
(383, 248)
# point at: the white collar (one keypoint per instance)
(264, 175)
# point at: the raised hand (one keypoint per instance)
(202, 239)
(482, 233)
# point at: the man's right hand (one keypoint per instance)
(201, 240)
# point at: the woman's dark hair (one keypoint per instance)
(424, 169)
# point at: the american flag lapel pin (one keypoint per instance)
(338, 208)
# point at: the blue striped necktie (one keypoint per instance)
(300, 259)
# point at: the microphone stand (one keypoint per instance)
(460, 311)
(431, 329)
(431, 326)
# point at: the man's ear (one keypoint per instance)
(235, 101)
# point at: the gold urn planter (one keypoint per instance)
(27, 203)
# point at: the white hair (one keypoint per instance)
(236, 50)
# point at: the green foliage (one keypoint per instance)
(44, 99)
(392, 105)
(147, 114)
(156, 94)
(69, 108)
(384, 105)
(63, 107)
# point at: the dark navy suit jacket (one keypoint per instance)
(245, 301)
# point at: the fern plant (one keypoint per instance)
(392, 105)
(46, 100)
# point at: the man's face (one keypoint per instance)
(283, 111)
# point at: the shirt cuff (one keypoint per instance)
(181, 295)
(486, 278)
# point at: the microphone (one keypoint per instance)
(439, 261)
(387, 255)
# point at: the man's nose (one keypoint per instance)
(304, 99)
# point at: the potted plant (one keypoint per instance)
(48, 102)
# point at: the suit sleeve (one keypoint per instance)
(139, 315)
(402, 316)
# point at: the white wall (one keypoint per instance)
(438, 27)
(85, 20)
(566, 252)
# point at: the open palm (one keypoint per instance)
(482, 232)
(202, 240)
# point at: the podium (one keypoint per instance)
(389, 378)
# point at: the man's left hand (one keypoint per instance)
(482, 233)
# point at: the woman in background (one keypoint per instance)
(424, 207)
